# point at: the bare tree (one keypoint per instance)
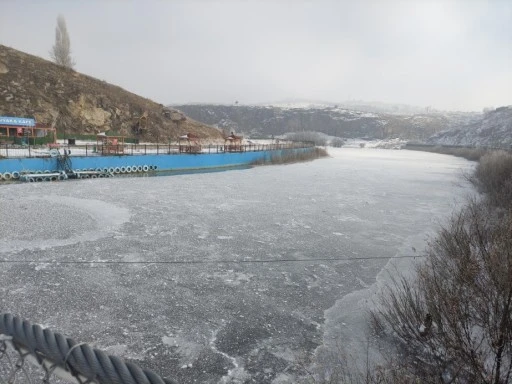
(61, 51)
(337, 142)
(314, 137)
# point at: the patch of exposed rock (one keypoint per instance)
(3, 68)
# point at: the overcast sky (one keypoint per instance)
(445, 54)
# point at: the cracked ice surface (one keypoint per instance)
(220, 321)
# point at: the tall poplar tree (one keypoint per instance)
(61, 51)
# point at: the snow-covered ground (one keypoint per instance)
(396, 143)
(253, 268)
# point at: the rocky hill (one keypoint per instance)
(331, 120)
(79, 104)
(492, 129)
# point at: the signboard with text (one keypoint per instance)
(17, 121)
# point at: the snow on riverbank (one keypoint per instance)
(396, 143)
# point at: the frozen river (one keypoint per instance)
(221, 277)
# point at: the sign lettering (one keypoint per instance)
(17, 121)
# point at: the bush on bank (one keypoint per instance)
(337, 142)
(493, 177)
(293, 157)
(473, 154)
(317, 138)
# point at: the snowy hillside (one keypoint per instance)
(332, 120)
(492, 129)
(356, 105)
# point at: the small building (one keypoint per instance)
(189, 143)
(110, 144)
(233, 143)
(23, 129)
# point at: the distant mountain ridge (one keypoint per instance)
(331, 120)
(79, 104)
(355, 105)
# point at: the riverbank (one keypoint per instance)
(473, 154)
(293, 157)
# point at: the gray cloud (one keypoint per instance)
(445, 54)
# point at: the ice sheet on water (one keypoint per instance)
(46, 221)
(393, 198)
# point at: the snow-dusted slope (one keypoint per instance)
(332, 120)
(493, 129)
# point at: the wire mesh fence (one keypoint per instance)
(19, 366)
(31, 354)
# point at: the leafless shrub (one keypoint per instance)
(293, 157)
(453, 322)
(337, 142)
(473, 154)
(493, 177)
(314, 137)
(339, 367)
